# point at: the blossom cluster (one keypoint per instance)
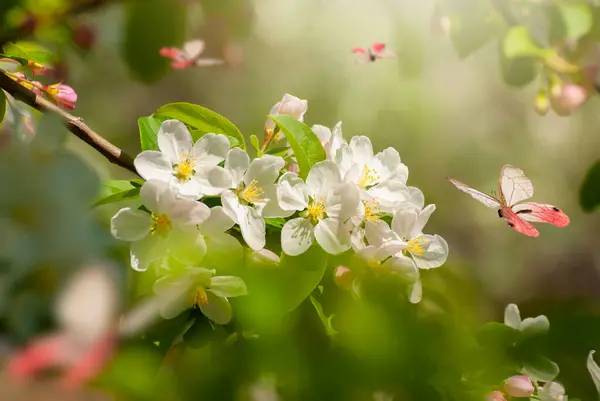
(354, 200)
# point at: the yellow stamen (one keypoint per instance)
(199, 297)
(316, 209)
(252, 193)
(161, 225)
(368, 177)
(415, 246)
(372, 211)
(185, 169)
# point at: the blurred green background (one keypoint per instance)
(445, 115)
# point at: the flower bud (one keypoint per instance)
(288, 105)
(37, 68)
(542, 103)
(64, 95)
(344, 277)
(519, 386)
(567, 98)
(495, 396)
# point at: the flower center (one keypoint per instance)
(161, 224)
(184, 170)
(199, 297)
(369, 177)
(316, 209)
(252, 193)
(415, 246)
(372, 211)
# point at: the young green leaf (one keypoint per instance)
(118, 190)
(541, 368)
(589, 194)
(577, 18)
(151, 25)
(519, 71)
(326, 320)
(201, 119)
(148, 127)
(304, 142)
(29, 51)
(255, 143)
(518, 43)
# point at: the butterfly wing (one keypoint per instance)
(362, 55)
(541, 213)
(513, 185)
(207, 62)
(380, 50)
(193, 48)
(518, 224)
(487, 200)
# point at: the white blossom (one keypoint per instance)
(180, 160)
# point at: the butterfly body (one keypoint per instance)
(189, 55)
(514, 188)
(376, 51)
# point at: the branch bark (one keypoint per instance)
(74, 124)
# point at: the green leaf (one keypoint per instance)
(589, 194)
(279, 151)
(541, 368)
(326, 320)
(472, 25)
(2, 105)
(301, 275)
(519, 71)
(29, 51)
(255, 145)
(151, 25)
(148, 127)
(518, 43)
(577, 18)
(275, 222)
(201, 119)
(117, 190)
(304, 142)
(496, 334)
(594, 370)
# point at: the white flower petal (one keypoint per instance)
(416, 197)
(264, 170)
(174, 140)
(153, 165)
(217, 222)
(512, 317)
(389, 166)
(292, 192)
(416, 293)
(404, 267)
(362, 149)
(228, 286)
(211, 149)
(217, 309)
(390, 195)
(187, 247)
(436, 252)
(343, 202)
(403, 222)
(130, 224)
(378, 232)
(422, 220)
(237, 162)
(322, 132)
(333, 236)
(188, 213)
(253, 227)
(271, 208)
(157, 196)
(358, 238)
(231, 204)
(322, 178)
(297, 236)
(173, 307)
(214, 180)
(393, 247)
(336, 141)
(142, 253)
(190, 189)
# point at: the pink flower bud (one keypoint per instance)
(37, 68)
(64, 95)
(288, 105)
(567, 98)
(344, 277)
(519, 386)
(36, 87)
(495, 396)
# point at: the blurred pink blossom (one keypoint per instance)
(519, 386)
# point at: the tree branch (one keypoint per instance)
(74, 124)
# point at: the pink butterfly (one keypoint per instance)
(189, 56)
(514, 187)
(376, 51)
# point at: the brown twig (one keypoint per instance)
(74, 124)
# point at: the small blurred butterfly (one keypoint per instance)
(189, 56)
(376, 51)
(514, 187)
